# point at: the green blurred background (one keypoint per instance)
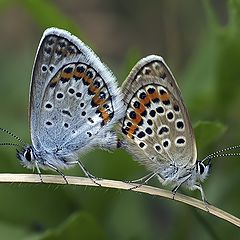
(200, 41)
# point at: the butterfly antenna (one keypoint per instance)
(13, 135)
(220, 153)
(10, 144)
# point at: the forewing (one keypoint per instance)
(73, 97)
(156, 124)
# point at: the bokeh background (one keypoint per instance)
(200, 41)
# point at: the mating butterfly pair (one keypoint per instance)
(75, 101)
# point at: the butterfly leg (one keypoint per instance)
(204, 199)
(142, 180)
(39, 172)
(139, 180)
(174, 191)
(57, 170)
(86, 172)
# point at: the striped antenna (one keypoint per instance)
(13, 135)
(220, 153)
(10, 144)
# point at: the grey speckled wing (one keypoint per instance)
(74, 99)
(156, 125)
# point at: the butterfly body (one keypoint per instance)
(74, 102)
(156, 125)
(29, 156)
(186, 176)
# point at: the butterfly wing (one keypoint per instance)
(73, 96)
(156, 124)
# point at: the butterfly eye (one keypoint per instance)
(28, 155)
(200, 167)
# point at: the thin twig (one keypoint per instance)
(55, 179)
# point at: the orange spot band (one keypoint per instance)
(164, 97)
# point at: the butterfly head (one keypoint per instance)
(203, 167)
(27, 156)
(202, 170)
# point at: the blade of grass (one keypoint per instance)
(80, 181)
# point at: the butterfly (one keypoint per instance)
(74, 102)
(156, 128)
